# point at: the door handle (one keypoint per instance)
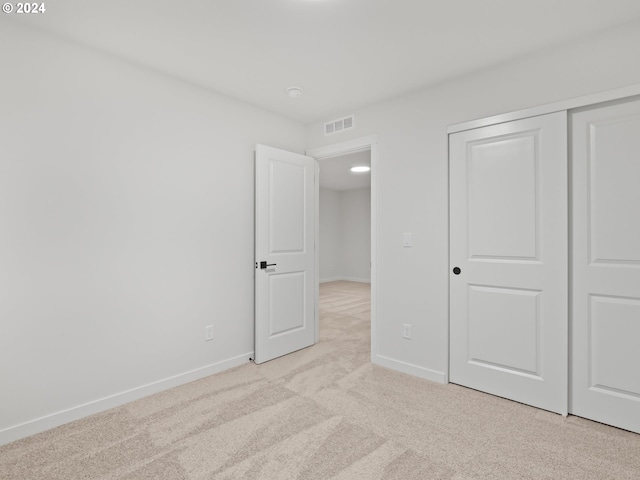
(264, 265)
(456, 270)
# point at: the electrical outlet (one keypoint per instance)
(406, 331)
(208, 333)
(406, 239)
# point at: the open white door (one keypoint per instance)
(508, 185)
(285, 280)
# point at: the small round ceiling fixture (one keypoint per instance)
(360, 168)
(294, 92)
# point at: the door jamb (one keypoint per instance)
(320, 153)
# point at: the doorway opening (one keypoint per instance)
(345, 248)
(346, 238)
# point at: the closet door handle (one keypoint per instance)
(264, 265)
(456, 270)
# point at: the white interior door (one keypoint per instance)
(285, 280)
(605, 381)
(508, 221)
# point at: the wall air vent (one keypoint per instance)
(336, 126)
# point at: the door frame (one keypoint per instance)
(369, 142)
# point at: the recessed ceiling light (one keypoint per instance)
(360, 168)
(294, 92)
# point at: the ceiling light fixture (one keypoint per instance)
(294, 92)
(360, 168)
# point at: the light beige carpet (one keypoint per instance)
(320, 413)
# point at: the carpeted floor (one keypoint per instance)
(325, 413)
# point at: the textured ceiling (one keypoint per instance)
(343, 53)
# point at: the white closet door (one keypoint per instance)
(508, 220)
(605, 384)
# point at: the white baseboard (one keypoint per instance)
(47, 422)
(409, 369)
(347, 279)
(359, 280)
(330, 279)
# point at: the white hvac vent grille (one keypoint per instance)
(339, 125)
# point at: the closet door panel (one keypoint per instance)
(605, 379)
(508, 304)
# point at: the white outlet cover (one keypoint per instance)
(406, 239)
(406, 331)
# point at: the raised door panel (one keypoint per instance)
(613, 353)
(614, 176)
(286, 303)
(499, 313)
(287, 207)
(502, 201)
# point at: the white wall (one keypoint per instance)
(356, 234)
(126, 220)
(413, 177)
(345, 235)
(330, 235)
